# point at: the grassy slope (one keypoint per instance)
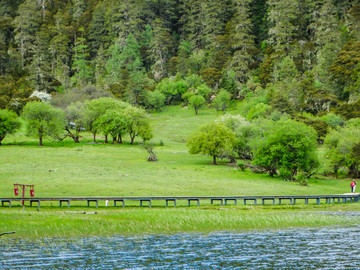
(68, 169)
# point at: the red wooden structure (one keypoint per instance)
(16, 190)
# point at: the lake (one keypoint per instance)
(300, 248)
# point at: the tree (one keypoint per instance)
(213, 139)
(171, 89)
(97, 28)
(59, 48)
(161, 45)
(196, 102)
(283, 21)
(81, 64)
(26, 26)
(113, 64)
(327, 40)
(113, 122)
(284, 70)
(95, 108)
(125, 18)
(156, 100)
(288, 147)
(74, 114)
(195, 14)
(221, 101)
(241, 40)
(343, 149)
(41, 65)
(43, 120)
(9, 123)
(138, 124)
(244, 132)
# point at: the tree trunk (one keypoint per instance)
(106, 138)
(40, 141)
(214, 160)
(74, 137)
(132, 139)
(120, 139)
(114, 140)
(94, 137)
(196, 110)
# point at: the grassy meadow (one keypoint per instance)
(64, 169)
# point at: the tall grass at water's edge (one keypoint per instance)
(51, 222)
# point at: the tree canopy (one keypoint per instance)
(9, 123)
(287, 146)
(43, 120)
(213, 139)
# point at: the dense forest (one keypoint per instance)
(295, 55)
(289, 60)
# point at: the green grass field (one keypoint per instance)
(86, 169)
(67, 169)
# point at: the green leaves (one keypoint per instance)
(213, 139)
(43, 120)
(196, 102)
(343, 148)
(287, 146)
(9, 123)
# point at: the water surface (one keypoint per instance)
(304, 248)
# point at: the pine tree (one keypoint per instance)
(160, 48)
(100, 67)
(59, 48)
(282, 17)
(241, 41)
(44, 7)
(81, 65)
(327, 38)
(78, 8)
(97, 29)
(113, 64)
(125, 17)
(184, 51)
(202, 21)
(130, 55)
(145, 46)
(26, 26)
(40, 67)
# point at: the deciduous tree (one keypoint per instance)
(43, 120)
(212, 139)
(9, 123)
(196, 101)
(287, 147)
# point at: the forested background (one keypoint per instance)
(292, 55)
(290, 69)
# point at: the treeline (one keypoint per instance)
(291, 55)
(107, 116)
(283, 147)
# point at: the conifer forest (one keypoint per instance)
(296, 55)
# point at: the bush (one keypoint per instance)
(241, 164)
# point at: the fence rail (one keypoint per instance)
(222, 200)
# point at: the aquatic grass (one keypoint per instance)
(106, 222)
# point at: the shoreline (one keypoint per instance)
(52, 222)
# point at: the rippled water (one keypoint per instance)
(325, 248)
